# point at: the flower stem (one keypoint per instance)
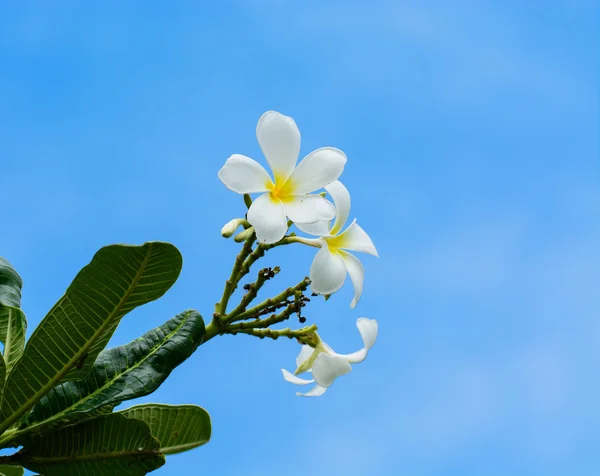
(261, 279)
(256, 311)
(232, 282)
(277, 333)
(273, 319)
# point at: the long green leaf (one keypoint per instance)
(178, 427)
(10, 284)
(107, 445)
(6, 470)
(118, 279)
(125, 372)
(2, 374)
(13, 325)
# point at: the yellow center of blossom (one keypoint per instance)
(338, 242)
(282, 189)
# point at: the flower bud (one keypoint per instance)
(244, 235)
(229, 229)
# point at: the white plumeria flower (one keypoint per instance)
(328, 365)
(332, 262)
(286, 194)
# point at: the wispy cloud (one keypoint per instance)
(456, 56)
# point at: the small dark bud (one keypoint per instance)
(302, 320)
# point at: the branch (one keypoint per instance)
(276, 334)
(270, 303)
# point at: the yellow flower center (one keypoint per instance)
(282, 189)
(336, 242)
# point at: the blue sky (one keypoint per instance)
(472, 135)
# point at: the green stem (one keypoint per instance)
(262, 323)
(235, 277)
(276, 334)
(261, 279)
(260, 250)
(256, 310)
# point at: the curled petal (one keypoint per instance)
(368, 329)
(317, 169)
(320, 228)
(267, 216)
(316, 391)
(244, 175)
(279, 139)
(357, 275)
(329, 367)
(290, 377)
(308, 209)
(341, 198)
(354, 238)
(327, 272)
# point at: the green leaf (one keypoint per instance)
(107, 445)
(118, 279)
(10, 284)
(2, 374)
(125, 372)
(178, 427)
(13, 325)
(6, 470)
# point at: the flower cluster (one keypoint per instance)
(287, 197)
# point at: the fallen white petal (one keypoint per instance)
(357, 275)
(290, 377)
(308, 209)
(341, 198)
(267, 216)
(318, 169)
(327, 272)
(316, 391)
(244, 175)
(329, 367)
(354, 238)
(279, 139)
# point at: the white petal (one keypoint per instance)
(327, 272)
(329, 367)
(341, 199)
(290, 377)
(305, 360)
(354, 238)
(368, 329)
(308, 209)
(279, 139)
(320, 228)
(305, 352)
(357, 275)
(267, 216)
(316, 391)
(244, 175)
(318, 169)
